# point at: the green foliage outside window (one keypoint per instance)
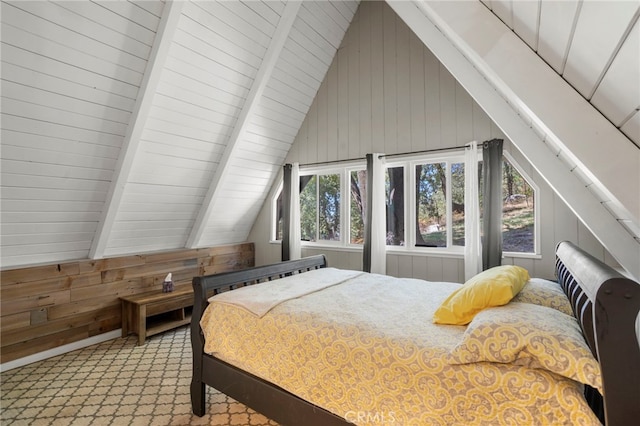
(308, 209)
(329, 207)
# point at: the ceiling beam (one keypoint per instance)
(255, 93)
(159, 52)
(507, 110)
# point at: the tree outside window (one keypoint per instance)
(394, 190)
(518, 217)
(357, 205)
(438, 191)
(308, 208)
(329, 207)
(518, 210)
(439, 204)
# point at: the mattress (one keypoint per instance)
(364, 347)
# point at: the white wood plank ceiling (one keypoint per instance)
(132, 127)
(594, 45)
(141, 126)
(539, 82)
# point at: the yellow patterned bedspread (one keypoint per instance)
(367, 351)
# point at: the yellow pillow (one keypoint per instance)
(493, 287)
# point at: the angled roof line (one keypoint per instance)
(486, 90)
(159, 52)
(262, 77)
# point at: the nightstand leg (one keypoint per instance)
(125, 319)
(142, 323)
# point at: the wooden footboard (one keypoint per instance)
(262, 396)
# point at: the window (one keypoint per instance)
(394, 191)
(329, 207)
(357, 205)
(308, 208)
(424, 202)
(439, 203)
(325, 216)
(518, 211)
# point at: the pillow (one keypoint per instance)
(493, 287)
(532, 336)
(547, 293)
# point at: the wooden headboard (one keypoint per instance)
(606, 304)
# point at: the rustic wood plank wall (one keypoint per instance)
(48, 306)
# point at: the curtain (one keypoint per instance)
(291, 248)
(492, 204)
(472, 247)
(375, 220)
(295, 248)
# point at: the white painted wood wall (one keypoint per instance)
(386, 92)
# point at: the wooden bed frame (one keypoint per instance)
(605, 303)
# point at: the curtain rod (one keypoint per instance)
(320, 163)
(451, 148)
(425, 151)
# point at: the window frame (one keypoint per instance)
(409, 163)
(536, 211)
(450, 249)
(344, 171)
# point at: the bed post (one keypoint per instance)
(618, 353)
(198, 391)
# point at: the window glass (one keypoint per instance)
(308, 207)
(518, 212)
(457, 203)
(431, 205)
(279, 217)
(358, 202)
(394, 190)
(329, 207)
(518, 219)
(437, 215)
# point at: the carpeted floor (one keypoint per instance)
(116, 383)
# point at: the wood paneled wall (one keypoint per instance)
(386, 92)
(48, 306)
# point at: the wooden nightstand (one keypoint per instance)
(153, 312)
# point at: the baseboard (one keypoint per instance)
(50, 353)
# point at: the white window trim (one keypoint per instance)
(536, 212)
(409, 163)
(410, 204)
(344, 170)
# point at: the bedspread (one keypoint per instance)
(367, 350)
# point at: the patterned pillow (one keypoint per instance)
(543, 292)
(532, 336)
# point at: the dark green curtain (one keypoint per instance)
(492, 204)
(286, 216)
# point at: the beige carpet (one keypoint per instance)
(116, 383)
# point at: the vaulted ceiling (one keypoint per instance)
(593, 45)
(139, 126)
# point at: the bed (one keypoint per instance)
(334, 381)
